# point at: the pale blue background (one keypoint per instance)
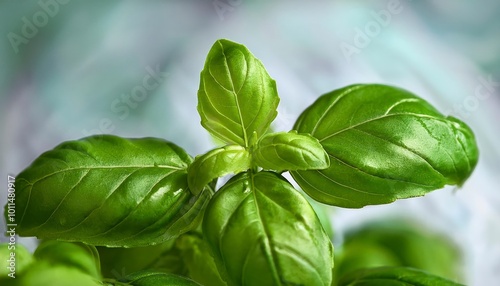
(65, 79)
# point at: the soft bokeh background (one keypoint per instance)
(72, 75)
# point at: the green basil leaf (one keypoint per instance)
(399, 243)
(189, 257)
(362, 255)
(117, 262)
(324, 215)
(290, 151)
(264, 232)
(75, 255)
(44, 273)
(155, 278)
(231, 159)
(397, 276)
(237, 97)
(384, 144)
(14, 260)
(171, 261)
(106, 190)
(196, 256)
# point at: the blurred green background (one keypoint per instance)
(69, 69)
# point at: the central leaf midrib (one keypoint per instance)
(243, 129)
(375, 119)
(80, 168)
(266, 232)
(106, 167)
(146, 196)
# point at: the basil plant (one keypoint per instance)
(364, 144)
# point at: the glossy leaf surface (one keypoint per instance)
(222, 161)
(384, 144)
(393, 276)
(106, 190)
(264, 232)
(290, 151)
(237, 97)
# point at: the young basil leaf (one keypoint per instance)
(397, 276)
(155, 278)
(106, 190)
(264, 232)
(236, 96)
(231, 159)
(75, 255)
(290, 151)
(43, 273)
(385, 144)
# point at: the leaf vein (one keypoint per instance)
(404, 100)
(242, 123)
(377, 176)
(378, 118)
(100, 206)
(346, 92)
(146, 195)
(273, 259)
(401, 146)
(105, 167)
(321, 191)
(62, 201)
